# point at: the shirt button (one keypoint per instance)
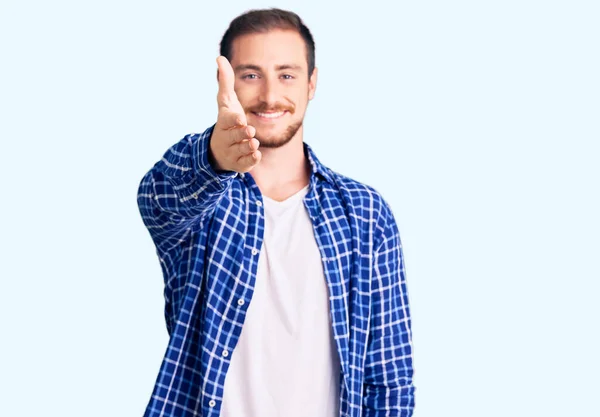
(259, 203)
(195, 195)
(225, 353)
(212, 403)
(241, 302)
(254, 251)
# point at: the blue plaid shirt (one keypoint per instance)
(208, 227)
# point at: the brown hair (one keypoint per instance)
(264, 20)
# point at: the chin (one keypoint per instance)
(272, 141)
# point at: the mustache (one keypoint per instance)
(277, 107)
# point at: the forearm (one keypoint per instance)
(181, 188)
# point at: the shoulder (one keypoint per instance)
(361, 194)
(366, 201)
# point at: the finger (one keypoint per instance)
(247, 146)
(226, 94)
(229, 119)
(241, 133)
(251, 160)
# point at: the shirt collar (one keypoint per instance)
(317, 167)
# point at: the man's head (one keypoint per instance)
(273, 56)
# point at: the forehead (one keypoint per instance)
(276, 47)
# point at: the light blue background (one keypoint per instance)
(477, 120)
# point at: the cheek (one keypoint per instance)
(301, 101)
(246, 95)
(243, 99)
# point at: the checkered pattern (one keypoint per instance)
(208, 229)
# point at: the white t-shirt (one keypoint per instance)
(286, 363)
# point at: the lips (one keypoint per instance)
(270, 115)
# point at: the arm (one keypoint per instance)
(181, 189)
(388, 386)
(177, 194)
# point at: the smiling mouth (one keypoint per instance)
(270, 115)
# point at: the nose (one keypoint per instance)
(269, 92)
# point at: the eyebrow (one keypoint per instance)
(243, 67)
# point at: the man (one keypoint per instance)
(284, 280)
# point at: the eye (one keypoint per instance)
(247, 77)
(288, 75)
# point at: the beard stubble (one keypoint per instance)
(281, 140)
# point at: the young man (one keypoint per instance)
(284, 280)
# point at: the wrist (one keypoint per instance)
(212, 160)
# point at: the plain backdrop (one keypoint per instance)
(477, 120)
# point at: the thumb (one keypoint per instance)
(226, 95)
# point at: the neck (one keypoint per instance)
(282, 171)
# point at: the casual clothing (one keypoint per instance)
(285, 362)
(209, 228)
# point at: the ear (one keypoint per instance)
(312, 84)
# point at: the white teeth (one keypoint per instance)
(271, 115)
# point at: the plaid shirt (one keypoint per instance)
(208, 227)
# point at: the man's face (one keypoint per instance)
(271, 83)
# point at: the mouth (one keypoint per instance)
(268, 116)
